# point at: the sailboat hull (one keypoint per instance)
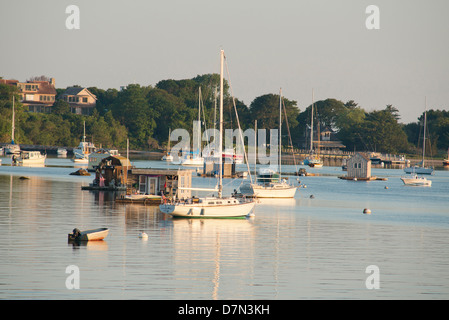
(274, 191)
(419, 170)
(219, 209)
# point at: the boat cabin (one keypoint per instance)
(172, 183)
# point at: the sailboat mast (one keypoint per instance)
(13, 121)
(280, 129)
(311, 126)
(255, 149)
(220, 139)
(424, 138)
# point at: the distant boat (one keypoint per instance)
(84, 149)
(415, 180)
(195, 161)
(313, 160)
(269, 184)
(25, 158)
(88, 235)
(446, 161)
(168, 157)
(62, 152)
(421, 168)
(12, 148)
(195, 158)
(95, 157)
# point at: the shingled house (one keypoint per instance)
(81, 100)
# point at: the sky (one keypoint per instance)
(296, 45)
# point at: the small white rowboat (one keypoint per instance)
(89, 235)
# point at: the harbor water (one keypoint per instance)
(319, 245)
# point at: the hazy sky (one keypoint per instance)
(294, 44)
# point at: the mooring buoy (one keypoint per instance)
(143, 235)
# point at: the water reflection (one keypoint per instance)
(212, 246)
(293, 249)
(101, 245)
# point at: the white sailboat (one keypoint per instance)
(421, 168)
(212, 207)
(269, 184)
(12, 148)
(313, 160)
(195, 159)
(83, 150)
(168, 157)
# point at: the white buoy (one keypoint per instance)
(143, 235)
(366, 211)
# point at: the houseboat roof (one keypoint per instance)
(152, 171)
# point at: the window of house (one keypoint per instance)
(85, 100)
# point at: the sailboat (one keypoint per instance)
(446, 161)
(168, 156)
(12, 148)
(195, 158)
(313, 160)
(84, 149)
(270, 184)
(212, 207)
(421, 168)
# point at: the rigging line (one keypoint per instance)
(238, 121)
(204, 116)
(288, 130)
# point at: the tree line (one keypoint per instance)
(144, 115)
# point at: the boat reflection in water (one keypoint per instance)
(212, 247)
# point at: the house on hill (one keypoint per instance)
(36, 96)
(81, 100)
(327, 142)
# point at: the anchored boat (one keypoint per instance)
(88, 235)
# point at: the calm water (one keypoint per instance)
(303, 248)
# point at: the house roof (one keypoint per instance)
(45, 87)
(10, 82)
(364, 156)
(73, 91)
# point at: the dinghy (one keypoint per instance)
(88, 235)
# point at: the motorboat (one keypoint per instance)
(415, 180)
(88, 235)
(84, 149)
(25, 158)
(61, 152)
